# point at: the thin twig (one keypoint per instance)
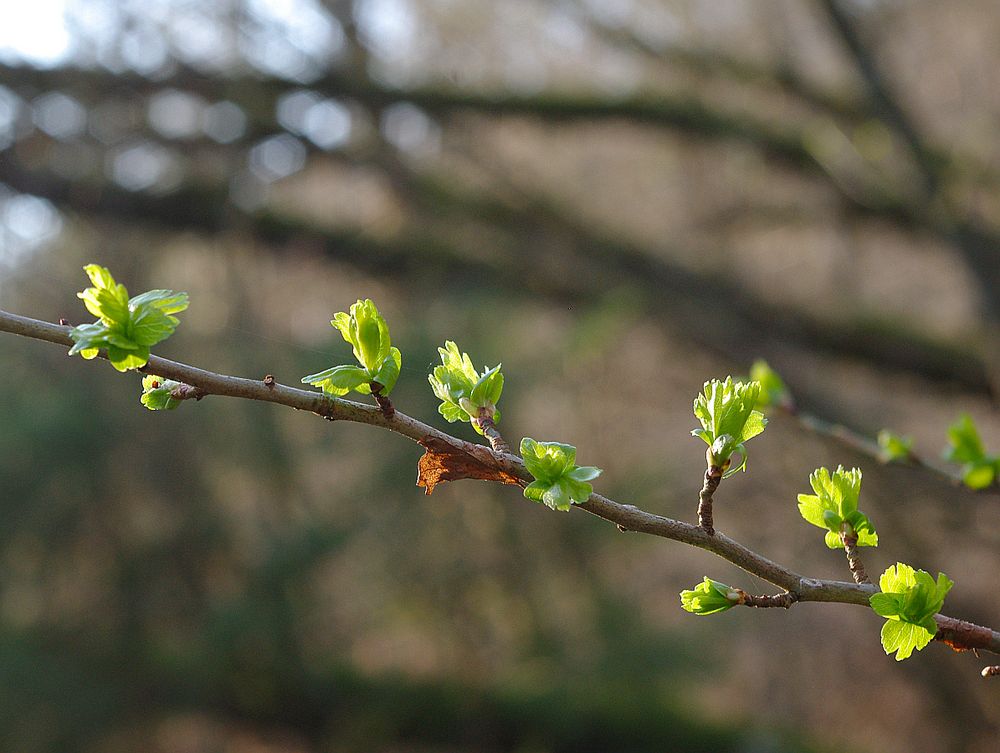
(854, 562)
(863, 444)
(954, 632)
(490, 431)
(713, 475)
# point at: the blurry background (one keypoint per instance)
(618, 199)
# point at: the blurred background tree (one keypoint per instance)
(618, 199)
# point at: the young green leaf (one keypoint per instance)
(772, 387)
(834, 507)
(465, 394)
(709, 597)
(979, 470)
(157, 393)
(728, 420)
(368, 334)
(126, 328)
(559, 482)
(894, 447)
(909, 599)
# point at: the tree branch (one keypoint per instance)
(881, 96)
(956, 633)
(865, 445)
(976, 243)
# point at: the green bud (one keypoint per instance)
(157, 393)
(559, 482)
(709, 597)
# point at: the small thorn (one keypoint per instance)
(63, 322)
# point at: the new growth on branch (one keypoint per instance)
(729, 411)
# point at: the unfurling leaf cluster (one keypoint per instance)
(465, 394)
(726, 411)
(157, 393)
(559, 482)
(909, 599)
(126, 327)
(834, 507)
(366, 330)
(979, 470)
(709, 597)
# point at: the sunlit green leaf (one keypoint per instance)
(125, 329)
(728, 418)
(339, 380)
(886, 605)
(903, 638)
(457, 383)
(909, 599)
(452, 413)
(157, 393)
(366, 331)
(389, 372)
(834, 507)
